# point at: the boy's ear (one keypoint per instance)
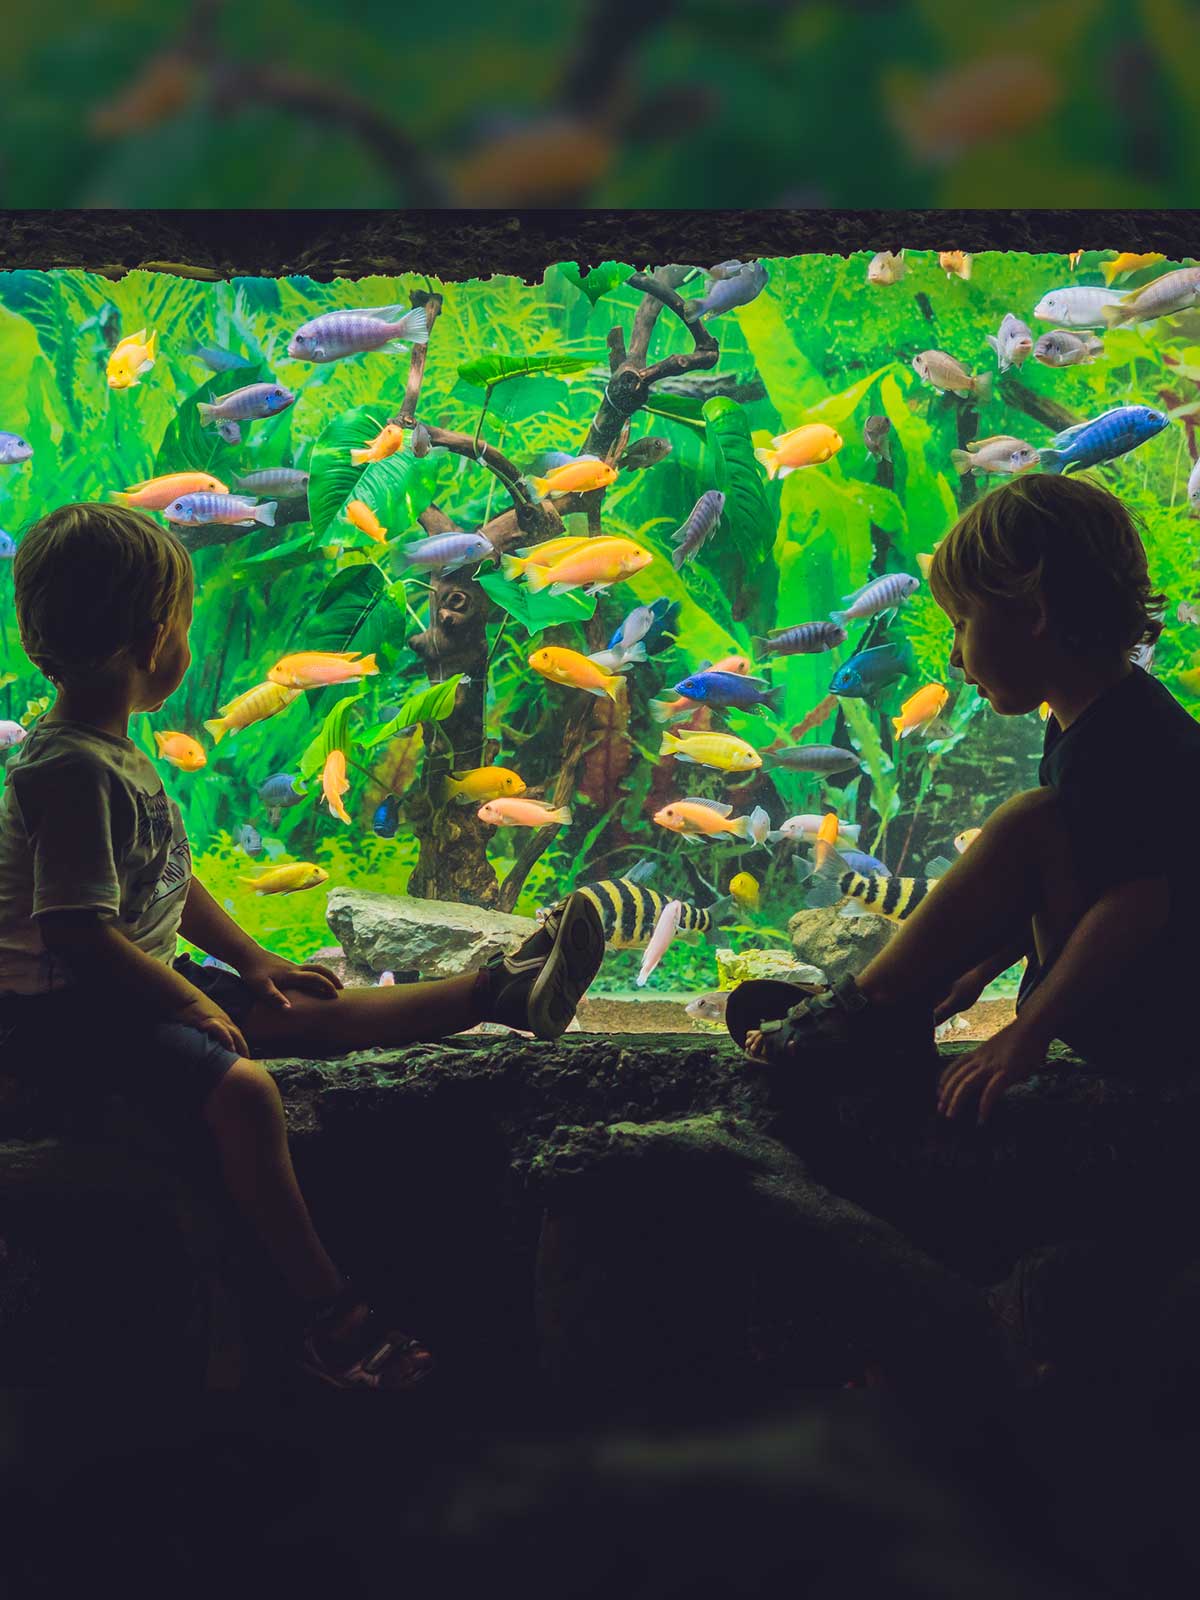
(1040, 618)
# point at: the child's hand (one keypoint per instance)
(204, 1013)
(1009, 1056)
(961, 996)
(267, 975)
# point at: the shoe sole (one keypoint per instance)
(767, 999)
(573, 962)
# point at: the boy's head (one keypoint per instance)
(103, 600)
(1043, 575)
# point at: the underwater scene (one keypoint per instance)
(613, 582)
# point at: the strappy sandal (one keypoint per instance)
(371, 1358)
(828, 1023)
(766, 1000)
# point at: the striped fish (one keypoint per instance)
(835, 879)
(629, 912)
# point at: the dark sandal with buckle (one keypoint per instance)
(767, 1000)
(368, 1356)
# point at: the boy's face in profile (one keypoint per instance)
(174, 659)
(999, 647)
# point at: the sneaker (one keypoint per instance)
(538, 985)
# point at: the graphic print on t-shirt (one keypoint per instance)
(154, 828)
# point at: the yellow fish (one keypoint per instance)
(509, 812)
(572, 668)
(284, 880)
(920, 710)
(482, 783)
(334, 783)
(576, 477)
(386, 442)
(1044, 710)
(1127, 262)
(964, 840)
(156, 494)
(364, 519)
(263, 701)
(697, 818)
(955, 262)
(540, 555)
(313, 669)
(597, 565)
(130, 359)
(181, 750)
(924, 562)
(721, 750)
(743, 886)
(805, 446)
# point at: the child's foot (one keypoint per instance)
(346, 1345)
(540, 983)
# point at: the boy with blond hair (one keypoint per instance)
(96, 881)
(1046, 582)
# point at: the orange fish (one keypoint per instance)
(805, 446)
(955, 263)
(964, 840)
(509, 812)
(386, 442)
(264, 700)
(313, 669)
(1073, 257)
(594, 566)
(156, 494)
(920, 710)
(181, 750)
(698, 818)
(984, 100)
(570, 667)
(576, 477)
(365, 520)
(540, 555)
(334, 783)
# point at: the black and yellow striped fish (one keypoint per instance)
(629, 911)
(835, 879)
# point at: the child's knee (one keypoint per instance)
(246, 1089)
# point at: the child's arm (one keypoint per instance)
(206, 925)
(107, 959)
(1111, 932)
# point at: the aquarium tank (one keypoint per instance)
(618, 579)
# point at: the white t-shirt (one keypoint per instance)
(85, 824)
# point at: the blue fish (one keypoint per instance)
(731, 689)
(862, 862)
(1107, 436)
(218, 360)
(387, 816)
(278, 790)
(869, 672)
(8, 546)
(661, 633)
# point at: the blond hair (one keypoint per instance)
(1065, 539)
(92, 580)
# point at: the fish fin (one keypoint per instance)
(760, 646)
(721, 807)
(772, 698)
(853, 909)
(691, 760)
(217, 728)
(1051, 460)
(536, 486)
(993, 341)
(538, 578)
(660, 713)
(983, 384)
(938, 866)
(613, 690)
(1113, 315)
(641, 870)
(838, 616)
(636, 652)
(963, 462)
(512, 566)
(206, 412)
(265, 513)
(413, 326)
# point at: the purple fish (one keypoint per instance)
(288, 482)
(192, 509)
(700, 525)
(807, 638)
(350, 333)
(448, 551)
(255, 400)
(882, 594)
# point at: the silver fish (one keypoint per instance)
(943, 372)
(8, 546)
(876, 431)
(350, 333)
(1013, 344)
(701, 524)
(709, 1007)
(616, 659)
(218, 360)
(665, 930)
(999, 453)
(421, 443)
(243, 405)
(823, 758)
(248, 836)
(726, 293)
(882, 594)
(806, 638)
(449, 551)
(286, 482)
(13, 449)
(1062, 348)
(230, 432)
(1193, 487)
(1173, 291)
(1076, 307)
(886, 267)
(191, 509)
(1185, 611)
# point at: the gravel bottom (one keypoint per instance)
(613, 1014)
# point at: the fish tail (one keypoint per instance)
(768, 459)
(206, 412)
(772, 699)
(538, 486)
(613, 690)
(760, 646)
(636, 652)
(678, 555)
(218, 728)
(963, 460)
(413, 327)
(839, 617)
(898, 725)
(669, 744)
(538, 578)
(983, 383)
(561, 814)
(1051, 460)
(367, 665)
(265, 513)
(512, 566)
(1113, 314)
(692, 309)
(660, 710)
(742, 826)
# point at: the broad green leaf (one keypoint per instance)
(343, 608)
(334, 735)
(427, 705)
(928, 498)
(536, 611)
(600, 280)
(268, 564)
(333, 477)
(677, 408)
(489, 369)
(741, 550)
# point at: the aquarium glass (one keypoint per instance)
(512, 372)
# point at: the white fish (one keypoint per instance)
(386, 978)
(619, 660)
(636, 626)
(664, 931)
(11, 733)
(804, 828)
(1193, 487)
(1076, 307)
(710, 1006)
(1013, 343)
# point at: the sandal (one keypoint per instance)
(762, 1000)
(372, 1357)
(835, 1023)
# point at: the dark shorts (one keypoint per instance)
(168, 1068)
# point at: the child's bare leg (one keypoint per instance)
(369, 1018)
(245, 1113)
(1018, 867)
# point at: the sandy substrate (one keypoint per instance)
(665, 1014)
